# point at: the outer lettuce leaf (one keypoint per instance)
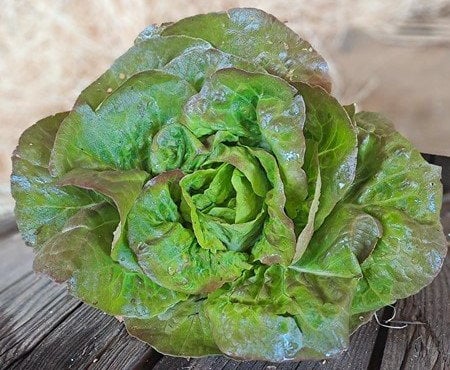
(79, 254)
(401, 178)
(404, 193)
(152, 53)
(42, 207)
(297, 315)
(338, 247)
(328, 124)
(277, 242)
(183, 330)
(197, 65)
(122, 187)
(306, 216)
(253, 331)
(261, 38)
(117, 135)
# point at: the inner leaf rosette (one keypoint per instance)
(209, 190)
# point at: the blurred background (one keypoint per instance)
(388, 56)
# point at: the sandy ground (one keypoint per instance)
(387, 56)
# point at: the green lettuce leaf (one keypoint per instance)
(298, 315)
(167, 251)
(183, 330)
(42, 207)
(404, 193)
(328, 124)
(117, 135)
(259, 37)
(79, 254)
(122, 187)
(153, 53)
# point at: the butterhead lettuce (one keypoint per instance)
(208, 189)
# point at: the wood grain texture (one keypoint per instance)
(427, 345)
(15, 260)
(7, 222)
(87, 338)
(31, 309)
(41, 326)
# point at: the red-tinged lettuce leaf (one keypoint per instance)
(253, 331)
(191, 59)
(122, 187)
(260, 38)
(42, 207)
(404, 193)
(277, 242)
(321, 308)
(152, 53)
(79, 254)
(117, 135)
(344, 240)
(183, 330)
(197, 65)
(306, 215)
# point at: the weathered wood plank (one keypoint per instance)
(88, 338)
(125, 352)
(30, 310)
(29, 336)
(34, 310)
(424, 346)
(444, 162)
(445, 215)
(356, 358)
(15, 260)
(7, 224)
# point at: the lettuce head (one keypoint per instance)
(209, 190)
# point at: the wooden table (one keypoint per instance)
(42, 327)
